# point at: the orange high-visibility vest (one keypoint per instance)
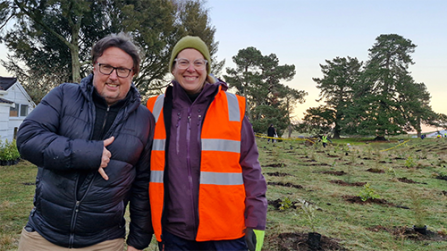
(221, 191)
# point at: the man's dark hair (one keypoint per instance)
(121, 40)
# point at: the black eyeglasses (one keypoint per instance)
(108, 69)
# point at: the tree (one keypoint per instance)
(246, 76)
(318, 120)
(290, 97)
(42, 50)
(194, 20)
(336, 89)
(385, 81)
(153, 26)
(59, 21)
(380, 99)
(257, 77)
(416, 108)
(440, 120)
(55, 37)
(63, 32)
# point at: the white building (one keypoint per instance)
(15, 105)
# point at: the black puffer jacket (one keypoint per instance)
(55, 137)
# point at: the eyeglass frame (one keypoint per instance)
(189, 63)
(114, 69)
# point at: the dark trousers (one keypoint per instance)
(171, 242)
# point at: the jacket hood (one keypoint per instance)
(218, 82)
(222, 84)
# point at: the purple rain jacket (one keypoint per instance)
(183, 163)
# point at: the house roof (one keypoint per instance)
(6, 82)
(5, 101)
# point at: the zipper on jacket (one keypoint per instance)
(105, 118)
(199, 129)
(76, 210)
(177, 140)
(199, 142)
(188, 162)
(73, 222)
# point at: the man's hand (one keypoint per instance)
(105, 159)
(130, 248)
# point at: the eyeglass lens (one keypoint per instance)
(184, 63)
(120, 71)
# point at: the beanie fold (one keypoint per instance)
(191, 42)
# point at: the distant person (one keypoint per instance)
(207, 190)
(91, 143)
(324, 140)
(271, 132)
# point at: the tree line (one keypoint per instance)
(378, 97)
(50, 42)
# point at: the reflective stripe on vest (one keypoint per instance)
(158, 106)
(221, 145)
(221, 190)
(156, 176)
(158, 144)
(211, 178)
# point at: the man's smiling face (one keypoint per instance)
(111, 87)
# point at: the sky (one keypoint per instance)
(305, 33)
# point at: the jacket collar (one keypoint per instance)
(132, 99)
(208, 92)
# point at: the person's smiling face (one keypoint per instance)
(111, 87)
(191, 78)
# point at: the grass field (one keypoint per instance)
(407, 177)
(403, 175)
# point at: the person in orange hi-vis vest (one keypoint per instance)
(206, 189)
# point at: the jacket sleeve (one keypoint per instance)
(141, 230)
(254, 181)
(39, 140)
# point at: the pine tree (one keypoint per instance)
(257, 77)
(337, 90)
(50, 41)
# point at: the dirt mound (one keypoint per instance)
(344, 183)
(409, 233)
(298, 242)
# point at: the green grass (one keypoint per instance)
(339, 219)
(15, 201)
(349, 222)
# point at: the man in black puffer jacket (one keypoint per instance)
(91, 143)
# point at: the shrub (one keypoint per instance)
(392, 172)
(368, 193)
(8, 151)
(309, 211)
(419, 212)
(286, 203)
(409, 162)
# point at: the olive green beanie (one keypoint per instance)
(193, 43)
